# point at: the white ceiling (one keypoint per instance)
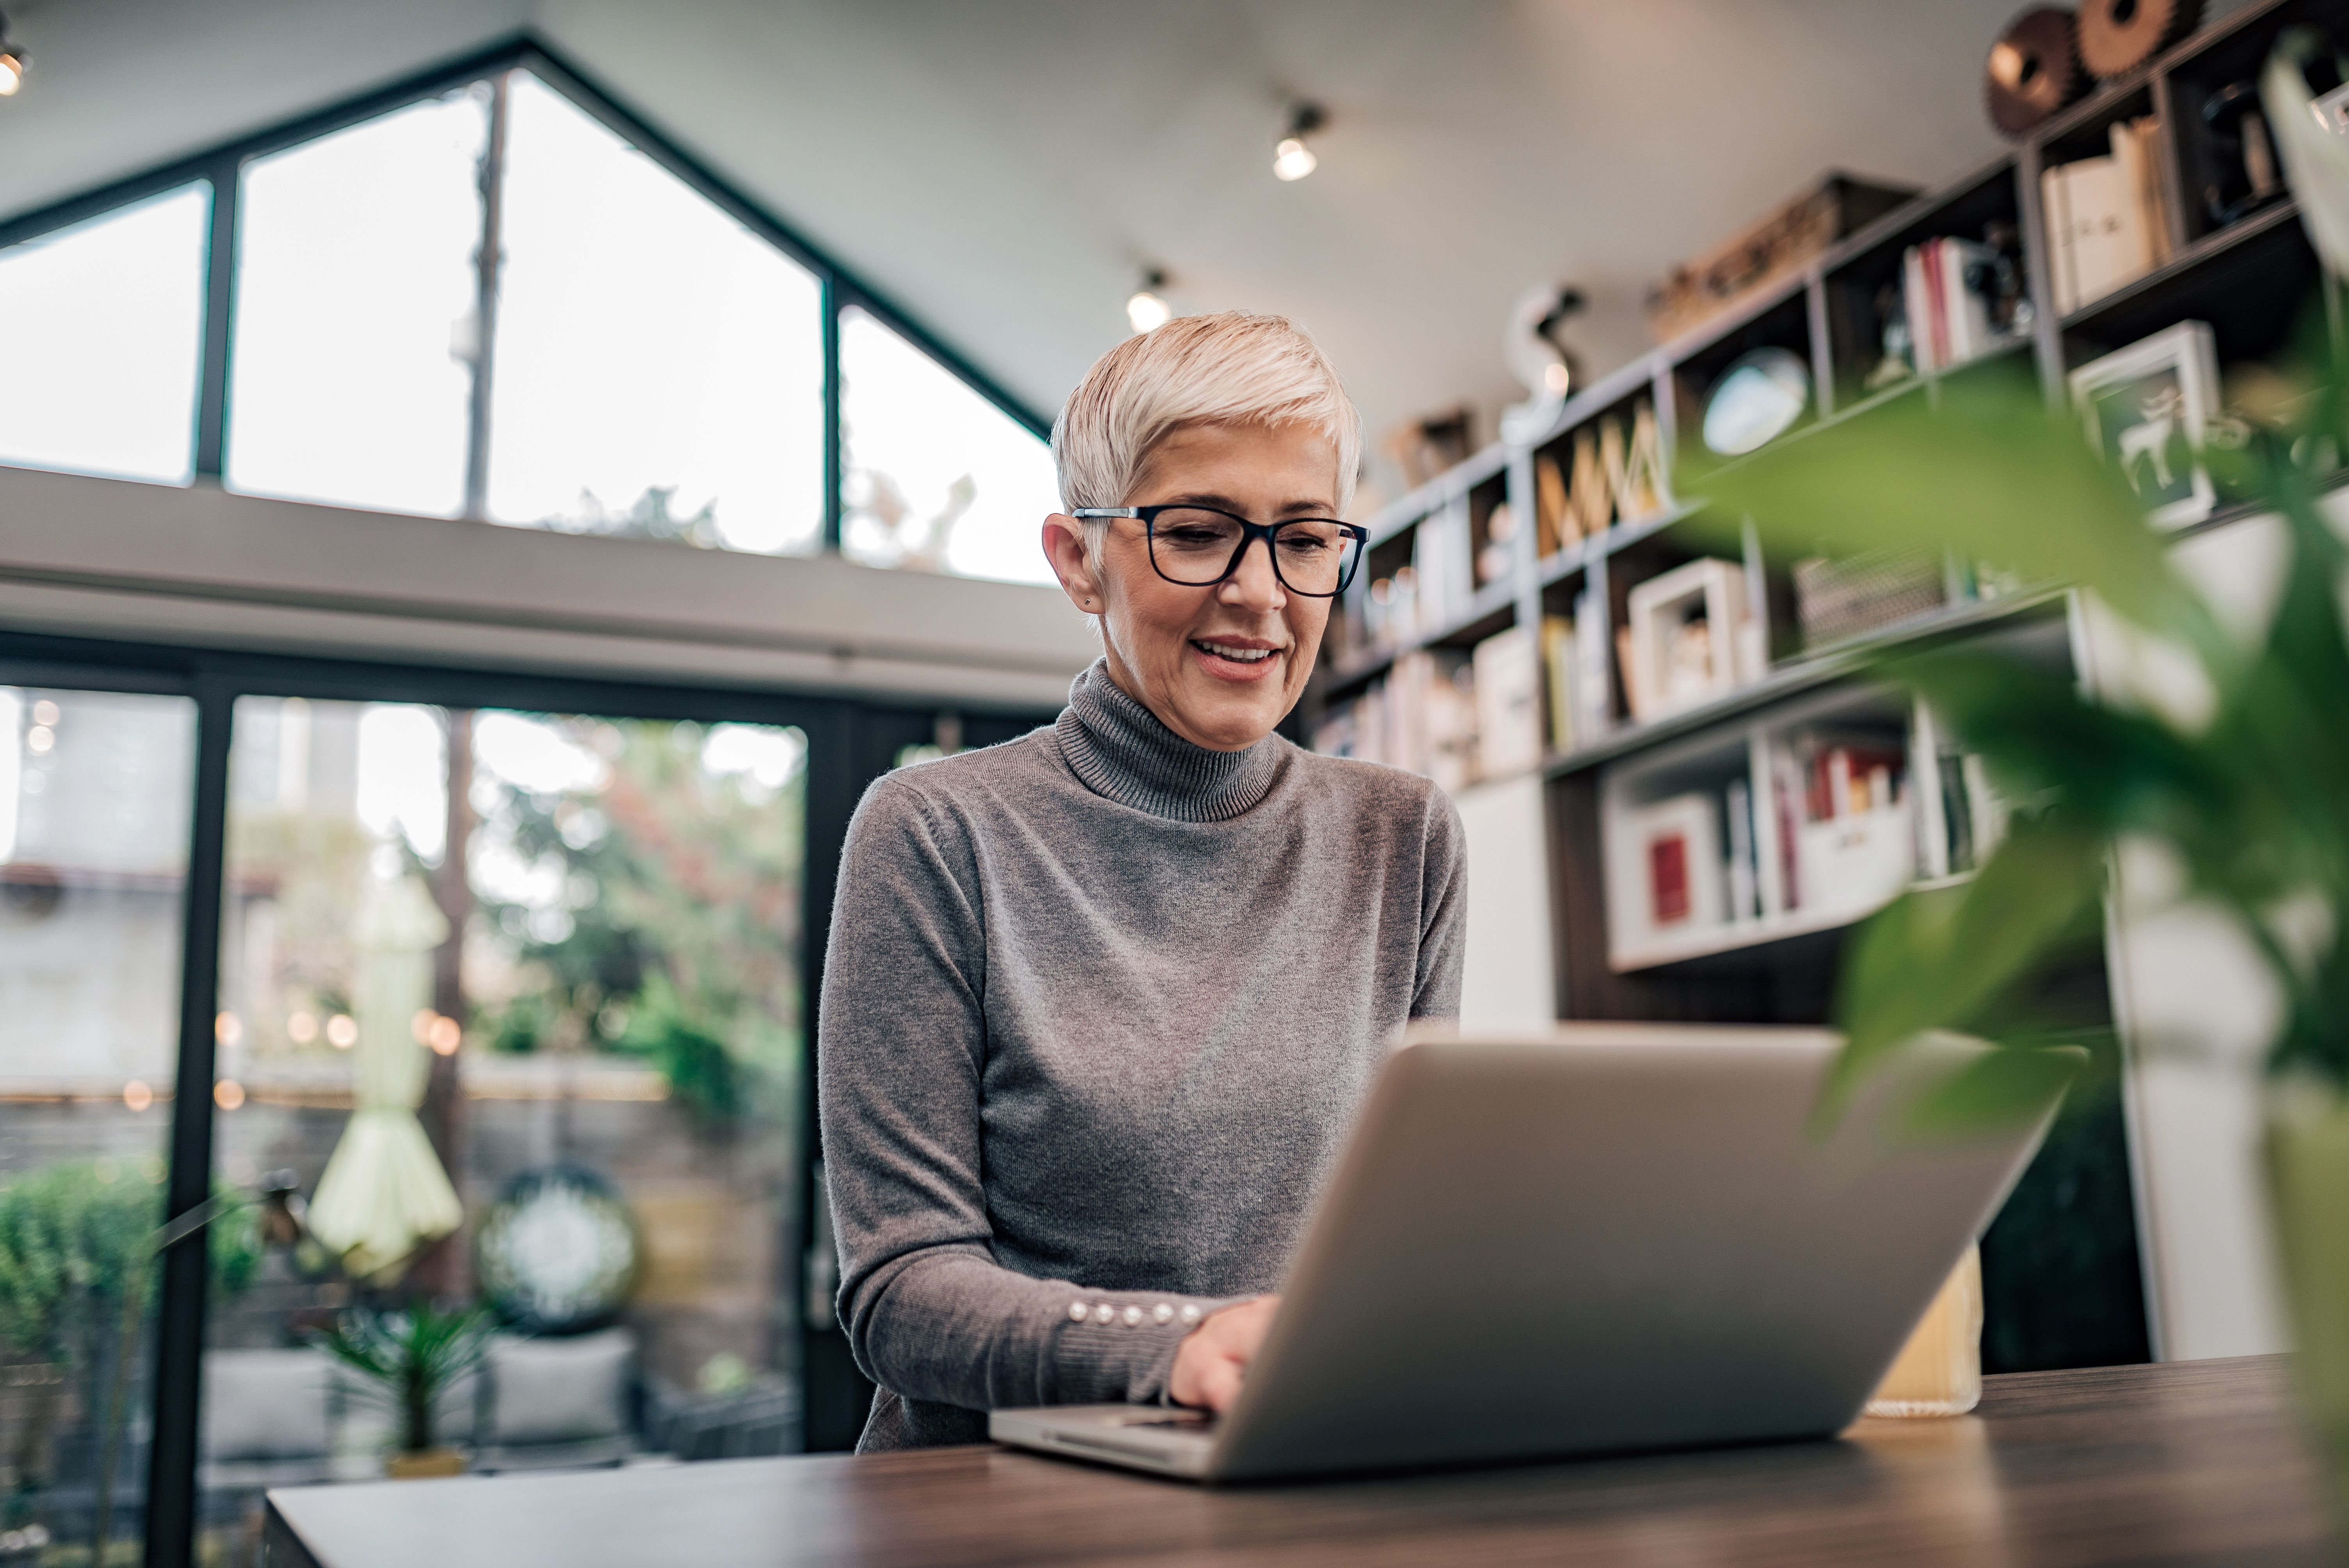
(1004, 168)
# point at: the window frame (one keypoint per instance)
(221, 167)
(850, 742)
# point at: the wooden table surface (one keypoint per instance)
(2187, 1463)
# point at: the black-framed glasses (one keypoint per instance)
(1198, 547)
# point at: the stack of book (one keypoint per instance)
(1956, 310)
(1421, 717)
(2108, 222)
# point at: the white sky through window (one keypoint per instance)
(647, 341)
(354, 298)
(913, 434)
(105, 327)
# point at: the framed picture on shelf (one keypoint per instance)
(1687, 641)
(2146, 408)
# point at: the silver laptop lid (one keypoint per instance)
(1609, 1237)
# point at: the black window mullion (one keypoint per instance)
(224, 172)
(834, 467)
(489, 262)
(180, 1326)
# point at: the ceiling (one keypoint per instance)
(1006, 168)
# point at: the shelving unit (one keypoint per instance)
(1774, 958)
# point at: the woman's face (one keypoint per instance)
(1219, 666)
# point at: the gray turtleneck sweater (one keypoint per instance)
(1100, 1007)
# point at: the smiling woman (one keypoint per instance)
(1100, 1002)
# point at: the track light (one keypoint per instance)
(1291, 159)
(13, 60)
(1145, 310)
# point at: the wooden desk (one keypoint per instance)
(2192, 1462)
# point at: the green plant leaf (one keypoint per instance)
(1934, 959)
(1997, 1089)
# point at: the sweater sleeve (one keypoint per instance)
(1443, 911)
(901, 1054)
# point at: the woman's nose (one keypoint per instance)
(1252, 584)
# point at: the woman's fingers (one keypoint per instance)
(1212, 1359)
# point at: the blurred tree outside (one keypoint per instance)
(676, 937)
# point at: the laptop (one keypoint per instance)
(1592, 1239)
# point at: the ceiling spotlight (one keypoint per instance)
(1291, 159)
(13, 59)
(1145, 310)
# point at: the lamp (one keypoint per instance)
(13, 60)
(1291, 159)
(1145, 310)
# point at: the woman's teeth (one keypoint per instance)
(1238, 656)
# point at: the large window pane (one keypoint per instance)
(659, 367)
(354, 312)
(935, 477)
(619, 1004)
(94, 791)
(103, 332)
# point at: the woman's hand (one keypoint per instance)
(1213, 1357)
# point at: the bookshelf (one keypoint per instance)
(1764, 946)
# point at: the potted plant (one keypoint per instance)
(405, 1361)
(2243, 791)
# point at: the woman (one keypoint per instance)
(1101, 1001)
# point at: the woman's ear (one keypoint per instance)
(1064, 547)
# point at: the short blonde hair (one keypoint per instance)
(1232, 368)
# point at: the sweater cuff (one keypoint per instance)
(1116, 1346)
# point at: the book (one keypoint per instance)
(2108, 222)
(1508, 696)
(1557, 636)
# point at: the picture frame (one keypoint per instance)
(1684, 640)
(2147, 407)
(1666, 878)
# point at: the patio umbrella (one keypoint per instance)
(384, 1194)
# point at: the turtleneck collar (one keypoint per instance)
(1122, 751)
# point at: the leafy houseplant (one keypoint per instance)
(2233, 770)
(406, 1360)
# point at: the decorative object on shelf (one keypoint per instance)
(1508, 686)
(1636, 474)
(2242, 155)
(1760, 397)
(1961, 299)
(1427, 447)
(406, 1362)
(2034, 70)
(1540, 359)
(2145, 409)
(2115, 36)
(2107, 221)
(1688, 635)
(1556, 524)
(1766, 254)
(1835, 599)
(1665, 874)
(1590, 499)
(1494, 559)
(557, 1253)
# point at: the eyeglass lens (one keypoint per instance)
(1196, 548)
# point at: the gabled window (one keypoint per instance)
(492, 294)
